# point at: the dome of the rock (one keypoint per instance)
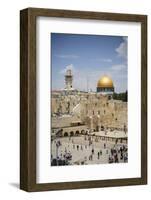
(105, 85)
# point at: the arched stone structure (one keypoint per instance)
(71, 133)
(77, 132)
(82, 131)
(66, 134)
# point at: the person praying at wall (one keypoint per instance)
(92, 151)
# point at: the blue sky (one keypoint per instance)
(89, 57)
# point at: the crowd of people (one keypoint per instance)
(118, 153)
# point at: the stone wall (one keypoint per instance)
(91, 109)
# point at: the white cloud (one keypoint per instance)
(118, 67)
(122, 48)
(108, 60)
(63, 71)
(68, 56)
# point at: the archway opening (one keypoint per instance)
(66, 134)
(77, 132)
(71, 133)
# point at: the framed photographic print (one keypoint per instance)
(83, 93)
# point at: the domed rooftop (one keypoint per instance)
(105, 82)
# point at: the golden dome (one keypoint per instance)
(105, 82)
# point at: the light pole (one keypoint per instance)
(57, 148)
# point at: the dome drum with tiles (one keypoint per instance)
(105, 85)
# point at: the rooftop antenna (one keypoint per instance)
(87, 84)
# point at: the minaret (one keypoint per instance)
(68, 79)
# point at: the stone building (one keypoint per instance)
(80, 112)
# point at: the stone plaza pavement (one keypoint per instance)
(69, 145)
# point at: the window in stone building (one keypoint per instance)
(98, 112)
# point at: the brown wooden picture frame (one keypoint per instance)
(28, 99)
